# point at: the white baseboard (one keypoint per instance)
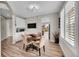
(6, 37)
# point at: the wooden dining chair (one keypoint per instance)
(40, 44)
(25, 41)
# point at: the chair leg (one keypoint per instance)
(23, 46)
(44, 48)
(27, 48)
(39, 52)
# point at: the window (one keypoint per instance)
(71, 18)
(70, 25)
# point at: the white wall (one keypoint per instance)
(9, 27)
(3, 28)
(33, 20)
(54, 25)
(20, 23)
(62, 23)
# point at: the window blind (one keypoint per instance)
(70, 25)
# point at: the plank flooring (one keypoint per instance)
(16, 50)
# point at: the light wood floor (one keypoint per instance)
(16, 50)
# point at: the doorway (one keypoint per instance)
(3, 28)
(46, 31)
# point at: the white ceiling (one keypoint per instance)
(21, 7)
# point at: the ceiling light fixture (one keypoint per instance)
(34, 7)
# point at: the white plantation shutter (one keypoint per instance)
(70, 26)
(71, 18)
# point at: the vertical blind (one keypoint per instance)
(70, 25)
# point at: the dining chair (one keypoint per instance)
(40, 44)
(25, 41)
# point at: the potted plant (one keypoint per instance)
(56, 37)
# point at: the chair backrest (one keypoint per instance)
(24, 38)
(43, 41)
